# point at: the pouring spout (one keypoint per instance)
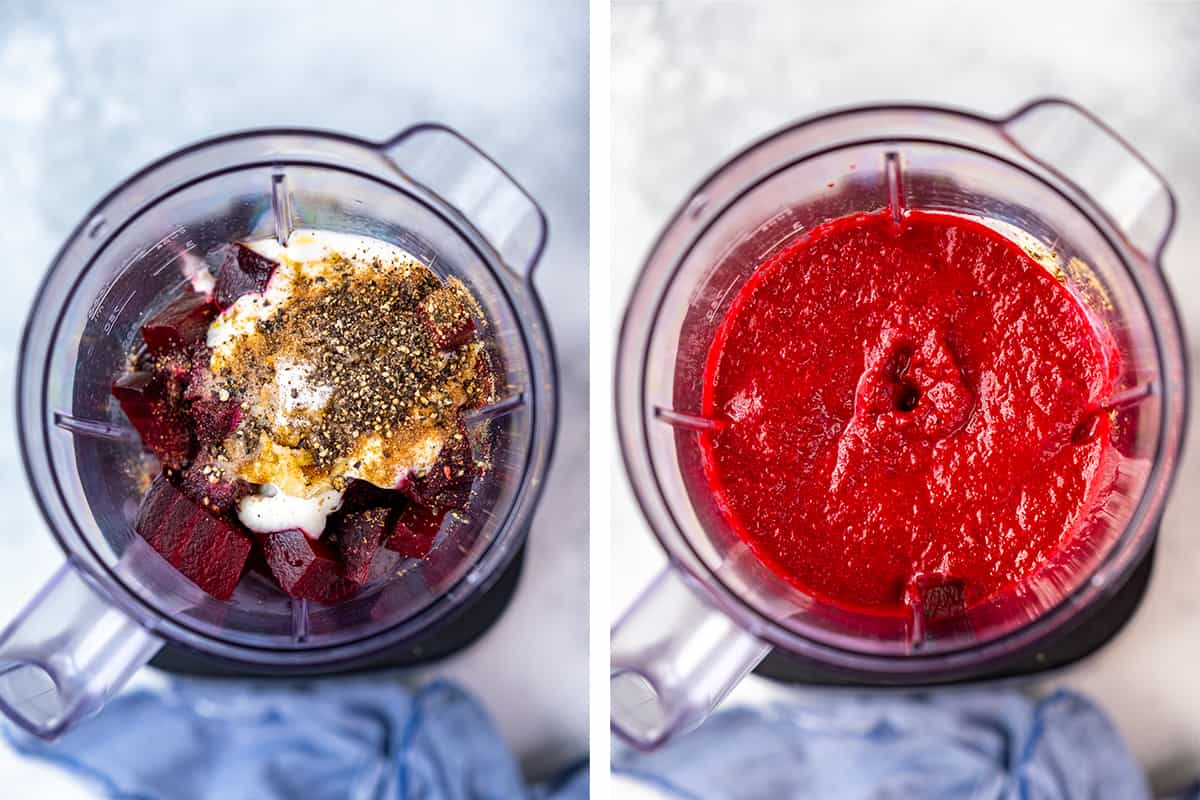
(66, 654)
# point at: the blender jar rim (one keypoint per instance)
(1122, 555)
(498, 553)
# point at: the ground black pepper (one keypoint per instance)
(376, 337)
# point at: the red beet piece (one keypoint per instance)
(414, 530)
(447, 318)
(440, 563)
(179, 326)
(207, 550)
(215, 555)
(937, 596)
(358, 536)
(161, 516)
(485, 376)
(448, 483)
(215, 420)
(219, 496)
(243, 271)
(196, 381)
(148, 400)
(940, 603)
(363, 495)
(384, 566)
(306, 569)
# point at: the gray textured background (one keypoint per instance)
(90, 92)
(695, 81)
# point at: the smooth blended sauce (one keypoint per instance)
(906, 400)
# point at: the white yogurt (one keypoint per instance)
(295, 391)
(273, 510)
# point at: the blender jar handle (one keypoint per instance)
(1075, 146)
(464, 177)
(66, 654)
(674, 658)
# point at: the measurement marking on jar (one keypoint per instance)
(136, 256)
(98, 303)
(142, 252)
(154, 248)
(116, 314)
(797, 227)
(778, 217)
(417, 247)
(716, 304)
(170, 237)
(188, 247)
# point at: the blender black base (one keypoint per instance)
(1095, 628)
(451, 636)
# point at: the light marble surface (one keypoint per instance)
(90, 92)
(695, 81)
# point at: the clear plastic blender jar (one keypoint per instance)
(116, 602)
(1052, 178)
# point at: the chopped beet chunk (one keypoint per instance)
(196, 383)
(209, 551)
(414, 530)
(151, 403)
(448, 483)
(937, 596)
(447, 318)
(206, 486)
(243, 271)
(306, 569)
(384, 566)
(358, 536)
(178, 327)
(215, 555)
(215, 420)
(441, 562)
(161, 516)
(361, 495)
(485, 377)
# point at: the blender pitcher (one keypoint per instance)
(1050, 177)
(115, 602)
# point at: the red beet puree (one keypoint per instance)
(906, 400)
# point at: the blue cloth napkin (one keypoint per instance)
(951, 746)
(335, 740)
